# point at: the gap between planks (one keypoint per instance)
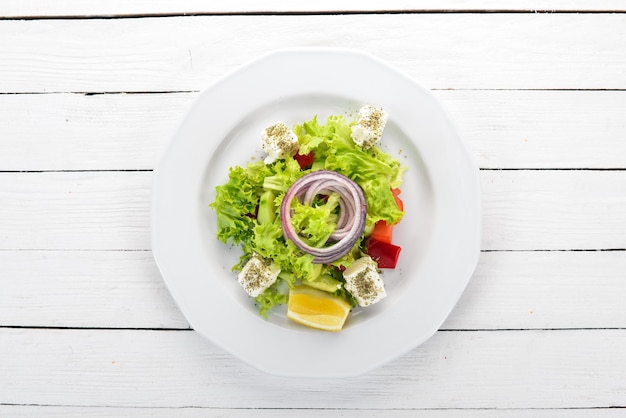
(80, 9)
(143, 92)
(307, 13)
(156, 329)
(65, 411)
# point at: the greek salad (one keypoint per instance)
(315, 218)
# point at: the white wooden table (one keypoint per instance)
(90, 94)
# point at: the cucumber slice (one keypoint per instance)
(326, 283)
(267, 210)
(317, 270)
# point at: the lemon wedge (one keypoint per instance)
(317, 309)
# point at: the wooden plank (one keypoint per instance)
(522, 210)
(554, 210)
(541, 129)
(121, 289)
(527, 51)
(81, 8)
(544, 290)
(18, 411)
(87, 132)
(75, 210)
(506, 369)
(503, 129)
(509, 290)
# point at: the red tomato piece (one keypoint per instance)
(385, 254)
(382, 232)
(400, 203)
(305, 161)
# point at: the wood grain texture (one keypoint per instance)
(527, 51)
(123, 289)
(85, 211)
(554, 210)
(120, 289)
(544, 290)
(19, 411)
(541, 129)
(81, 8)
(503, 129)
(87, 132)
(505, 369)
(522, 210)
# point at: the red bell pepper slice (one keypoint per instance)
(385, 254)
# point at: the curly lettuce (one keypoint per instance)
(374, 170)
(237, 201)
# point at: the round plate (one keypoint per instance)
(439, 235)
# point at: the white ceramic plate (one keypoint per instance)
(439, 236)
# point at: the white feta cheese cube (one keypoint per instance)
(369, 126)
(278, 141)
(257, 275)
(363, 281)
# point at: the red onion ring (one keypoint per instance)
(352, 207)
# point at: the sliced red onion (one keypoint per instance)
(352, 207)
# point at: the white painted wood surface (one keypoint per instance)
(123, 289)
(476, 369)
(523, 210)
(503, 128)
(90, 94)
(460, 51)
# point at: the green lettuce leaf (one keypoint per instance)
(317, 222)
(236, 201)
(271, 297)
(284, 174)
(374, 170)
(324, 139)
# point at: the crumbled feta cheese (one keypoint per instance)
(278, 141)
(257, 275)
(369, 126)
(363, 281)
